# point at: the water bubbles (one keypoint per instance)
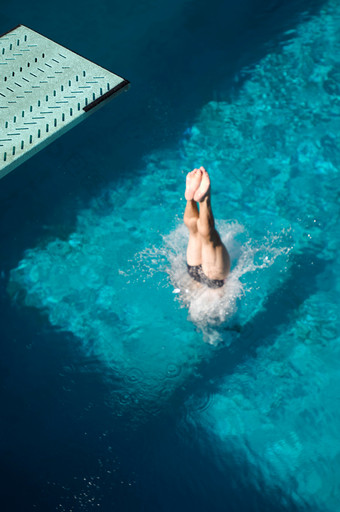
(124, 398)
(173, 370)
(133, 376)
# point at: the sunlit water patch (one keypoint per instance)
(123, 305)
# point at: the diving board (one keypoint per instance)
(45, 89)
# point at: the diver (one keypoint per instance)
(208, 260)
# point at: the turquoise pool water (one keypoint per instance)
(250, 377)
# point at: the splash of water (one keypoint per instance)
(210, 308)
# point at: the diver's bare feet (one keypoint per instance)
(192, 183)
(203, 190)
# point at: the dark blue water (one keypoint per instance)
(65, 445)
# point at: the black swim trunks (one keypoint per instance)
(196, 272)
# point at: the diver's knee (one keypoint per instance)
(209, 235)
(191, 224)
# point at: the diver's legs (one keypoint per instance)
(194, 249)
(215, 257)
(191, 214)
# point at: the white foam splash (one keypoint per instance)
(210, 308)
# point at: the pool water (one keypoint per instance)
(127, 388)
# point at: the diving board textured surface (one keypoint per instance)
(45, 89)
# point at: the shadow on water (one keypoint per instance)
(199, 485)
(54, 420)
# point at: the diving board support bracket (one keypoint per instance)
(45, 90)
